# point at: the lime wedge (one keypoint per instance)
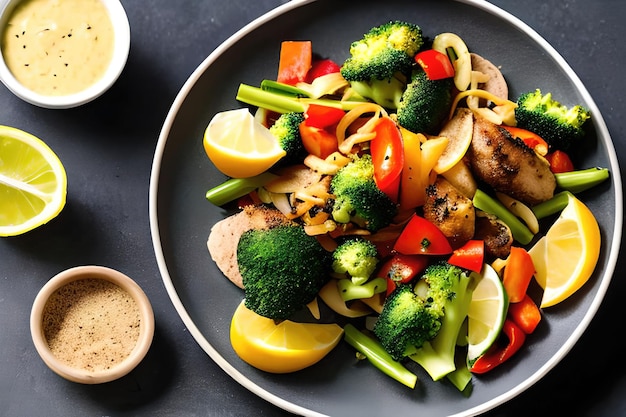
(486, 314)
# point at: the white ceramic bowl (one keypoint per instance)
(110, 308)
(121, 49)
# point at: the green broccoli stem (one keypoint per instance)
(438, 356)
(581, 180)
(284, 102)
(552, 206)
(377, 356)
(351, 291)
(269, 99)
(282, 88)
(437, 364)
(461, 376)
(488, 204)
(234, 188)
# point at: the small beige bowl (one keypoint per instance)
(92, 324)
(121, 49)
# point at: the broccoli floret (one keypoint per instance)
(425, 103)
(423, 321)
(380, 62)
(282, 268)
(287, 130)
(454, 286)
(558, 125)
(358, 198)
(407, 321)
(357, 258)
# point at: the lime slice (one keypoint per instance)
(486, 314)
(33, 183)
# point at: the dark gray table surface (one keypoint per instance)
(107, 148)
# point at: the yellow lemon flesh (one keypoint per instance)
(486, 314)
(33, 183)
(280, 348)
(240, 146)
(567, 255)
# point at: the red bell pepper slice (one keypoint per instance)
(321, 67)
(525, 314)
(391, 286)
(317, 141)
(559, 162)
(518, 272)
(294, 61)
(531, 139)
(498, 354)
(387, 156)
(420, 236)
(322, 117)
(470, 256)
(403, 268)
(436, 65)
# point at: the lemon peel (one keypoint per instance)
(280, 348)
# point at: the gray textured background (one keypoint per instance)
(106, 221)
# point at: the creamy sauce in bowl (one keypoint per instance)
(58, 47)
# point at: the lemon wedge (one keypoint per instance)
(280, 348)
(240, 146)
(33, 182)
(567, 255)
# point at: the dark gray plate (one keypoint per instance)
(181, 218)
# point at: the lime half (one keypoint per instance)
(486, 314)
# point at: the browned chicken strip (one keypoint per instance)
(496, 84)
(508, 165)
(450, 211)
(496, 235)
(225, 234)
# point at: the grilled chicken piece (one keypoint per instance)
(225, 234)
(496, 235)
(508, 165)
(450, 211)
